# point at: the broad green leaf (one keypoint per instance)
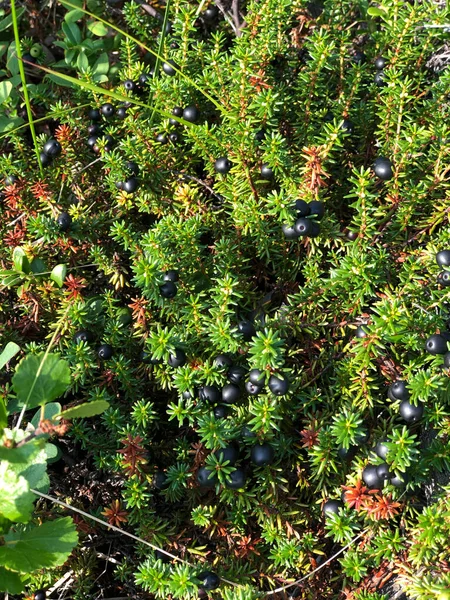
(52, 453)
(89, 409)
(7, 21)
(82, 62)
(12, 62)
(42, 547)
(97, 28)
(20, 457)
(8, 352)
(73, 15)
(38, 266)
(10, 582)
(40, 379)
(8, 123)
(16, 500)
(49, 411)
(3, 416)
(72, 33)
(59, 273)
(101, 66)
(5, 90)
(20, 260)
(376, 12)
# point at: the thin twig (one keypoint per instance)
(237, 19)
(226, 16)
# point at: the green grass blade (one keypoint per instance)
(139, 43)
(160, 48)
(24, 82)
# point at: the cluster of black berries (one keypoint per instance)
(51, 149)
(138, 86)
(443, 260)
(168, 289)
(190, 113)
(380, 64)
(306, 225)
(95, 132)
(104, 352)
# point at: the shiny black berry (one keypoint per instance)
(144, 78)
(191, 113)
(220, 412)
(94, 129)
(361, 331)
(444, 278)
(436, 344)
(398, 390)
(210, 393)
(278, 385)
(40, 595)
(177, 359)
(168, 289)
(260, 135)
(303, 226)
(332, 507)
(381, 449)
(347, 453)
(223, 165)
(236, 374)
(206, 478)
(380, 63)
(371, 478)
(289, 232)
(121, 112)
(171, 275)
(303, 208)
(209, 580)
(177, 111)
(383, 168)
(162, 138)
(107, 110)
(129, 85)
(45, 159)
(169, 68)
(399, 480)
(52, 148)
(252, 389)
(380, 79)
(267, 172)
(159, 479)
(222, 361)
(443, 258)
(383, 471)
(92, 140)
(257, 377)
(94, 114)
(316, 209)
(447, 360)
(83, 336)
(105, 351)
(262, 454)
(211, 13)
(130, 185)
(174, 137)
(230, 393)
(230, 453)
(358, 58)
(247, 329)
(409, 412)
(132, 167)
(236, 480)
(64, 221)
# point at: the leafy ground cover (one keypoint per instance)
(225, 272)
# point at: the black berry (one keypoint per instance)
(247, 329)
(130, 185)
(132, 167)
(191, 113)
(237, 480)
(383, 168)
(252, 389)
(444, 278)
(209, 580)
(178, 359)
(260, 135)
(168, 289)
(94, 114)
(331, 507)
(278, 385)
(358, 58)
(236, 374)
(436, 344)
(52, 148)
(443, 258)
(144, 78)
(121, 112)
(204, 478)
(220, 412)
(316, 209)
(129, 85)
(45, 159)
(303, 208)
(383, 471)
(380, 79)
(398, 390)
(399, 481)
(83, 336)
(40, 595)
(105, 351)
(107, 110)
(174, 137)
(262, 454)
(211, 13)
(381, 449)
(380, 63)
(409, 412)
(177, 111)
(94, 129)
(303, 226)
(159, 480)
(266, 171)
(447, 360)
(222, 361)
(222, 165)
(64, 221)
(210, 393)
(370, 477)
(289, 232)
(361, 331)
(230, 393)
(229, 453)
(169, 68)
(161, 138)
(256, 377)
(171, 275)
